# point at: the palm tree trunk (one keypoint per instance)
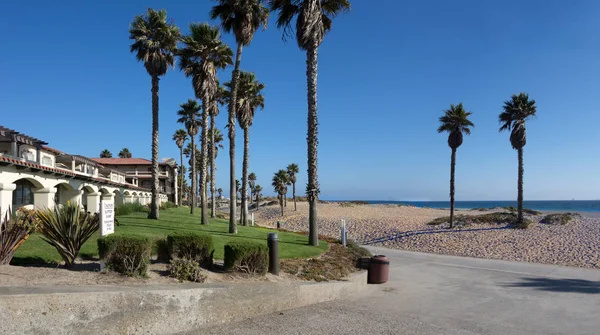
(213, 188)
(231, 125)
(294, 194)
(193, 166)
(312, 189)
(245, 177)
(285, 200)
(281, 203)
(181, 181)
(203, 165)
(155, 194)
(520, 188)
(452, 166)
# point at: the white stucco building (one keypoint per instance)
(34, 175)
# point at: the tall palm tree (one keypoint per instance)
(314, 18)
(125, 153)
(249, 99)
(280, 182)
(154, 43)
(456, 122)
(257, 190)
(251, 184)
(204, 52)
(292, 170)
(243, 18)
(188, 115)
(106, 154)
(516, 112)
(215, 142)
(180, 137)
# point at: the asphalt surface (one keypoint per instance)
(433, 294)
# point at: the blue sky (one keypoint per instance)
(386, 73)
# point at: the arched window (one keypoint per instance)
(23, 194)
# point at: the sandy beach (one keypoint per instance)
(401, 227)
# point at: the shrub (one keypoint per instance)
(559, 218)
(129, 255)
(14, 230)
(67, 228)
(186, 270)
(131, 208)
(360, 202)
(346, 204)
(246, 256)
(466, 220)
(357, 250)
(161, 250)
(191, 246)
(531, 212)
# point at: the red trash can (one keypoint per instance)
(379, 269)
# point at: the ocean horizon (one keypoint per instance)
(540, 205)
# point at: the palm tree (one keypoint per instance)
(251, 184)
(237, 189)
(215, 142)
(105, 154)
(292, 170)
(516, 112)
(180, 137)
(250, 98)
(455, 121)
(243, 18)
(220, 191)
(280, 182)
(314, 18)
(125, 153)
(257, 190)
(188, 115)
(204, 52)
(155, 43)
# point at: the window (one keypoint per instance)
(47, 161)
(23, 194)
(28, 155)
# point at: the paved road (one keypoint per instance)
(432, 294)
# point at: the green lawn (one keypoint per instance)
(36, 251)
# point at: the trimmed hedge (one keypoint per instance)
(191, 246)
(246, 256)
(129, 255)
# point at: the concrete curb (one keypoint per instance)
(156, 309)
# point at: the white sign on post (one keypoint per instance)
(107, 217)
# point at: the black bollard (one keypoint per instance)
(273, 243)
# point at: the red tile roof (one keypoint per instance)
(122, 161)
(52, 150)
(35, 166)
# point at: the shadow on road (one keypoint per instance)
(399, 235)
(559, 285)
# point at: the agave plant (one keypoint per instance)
(67, 228)
(14, 230)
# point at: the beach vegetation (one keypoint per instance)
(516, 112)
(462, 220)
(186, 270)
(154, 42)
(560, 218)
(313, 20)
(126, 254)
(456, 123)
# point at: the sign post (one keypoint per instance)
(107, 217)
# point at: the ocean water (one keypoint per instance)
(545, 205)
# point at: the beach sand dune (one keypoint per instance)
(574, 244)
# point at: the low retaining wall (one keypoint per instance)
(155, 309)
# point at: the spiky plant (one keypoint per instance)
(314, 19)
(14, 230)
(243, 18)
(67, 228)
(455, 122)
(516, 112)
(154, 43)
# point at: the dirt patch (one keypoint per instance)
(335, 264)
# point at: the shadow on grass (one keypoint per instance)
(559, 285)
(399, 235)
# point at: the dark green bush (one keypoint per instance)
(559, 218)
(129, 255)
(191, 246)
(186, 270)
(357, 250)
(359, 202)
(161, 250)
(531, 211)
(246, 256)
(130, 208)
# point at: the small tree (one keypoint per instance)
(280, 182)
